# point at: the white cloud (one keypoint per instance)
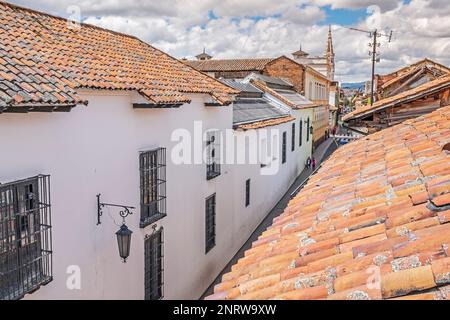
(358, 4)
(267, 28)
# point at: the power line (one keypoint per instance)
(374, 53)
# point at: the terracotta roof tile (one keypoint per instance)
(254, 64)
(403, 282)
(359, 293)
(265, 123)
(364, 262)
(311, 293)
(432, 295)
(416, 93)
(44, 62)
(379, 203)
(444, 217)
(398, 74)
(441, 271)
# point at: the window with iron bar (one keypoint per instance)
(152, 166)
(293, 137)
(213, 155)
(300, 133)
(25, 237)
(154, 265)
(210, 223)
(307, 129)
(283, 150)
(247, 192)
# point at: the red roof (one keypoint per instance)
(373, 223)
(44, 61)
(265, 123)
(255, 64)
(406, 96)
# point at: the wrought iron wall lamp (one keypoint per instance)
(123, 234)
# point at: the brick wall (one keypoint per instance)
(288, 69)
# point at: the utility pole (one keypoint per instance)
(374, 54)
(374, 59)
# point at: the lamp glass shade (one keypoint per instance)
(124, 242)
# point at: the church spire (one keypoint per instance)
(330, 55)
(330, 48)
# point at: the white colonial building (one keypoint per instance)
(101, 131)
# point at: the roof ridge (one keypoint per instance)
(15, 6)
(414, 64)
(132, 69)
(232, 59)
(184, 64)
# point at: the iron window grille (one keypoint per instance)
(154, 265)
(210, 223)
(300, 133)
(152, 166)
(25, 237)
(307, 129)
(293, 137)
(247, 192)
(283, 150)
(213, 155)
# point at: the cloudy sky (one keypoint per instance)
(269, 28)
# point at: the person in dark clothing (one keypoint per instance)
(314, 163)
(308, 163)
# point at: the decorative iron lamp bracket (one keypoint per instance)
(125, 212)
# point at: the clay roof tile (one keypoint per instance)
(390, 217)
(50, 57)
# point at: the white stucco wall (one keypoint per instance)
(95, 149)
(267, 190)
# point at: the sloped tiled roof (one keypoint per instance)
(255, 64)
(438, 69)
(401, 77)
(289, 97)
(266, 123)
(45, 59)
(300, 53)
(372, 223)
(406, 96)
(396, 75)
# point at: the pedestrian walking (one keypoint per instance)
(314, 163)
(308, 163)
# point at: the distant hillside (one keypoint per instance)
(354, 85)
